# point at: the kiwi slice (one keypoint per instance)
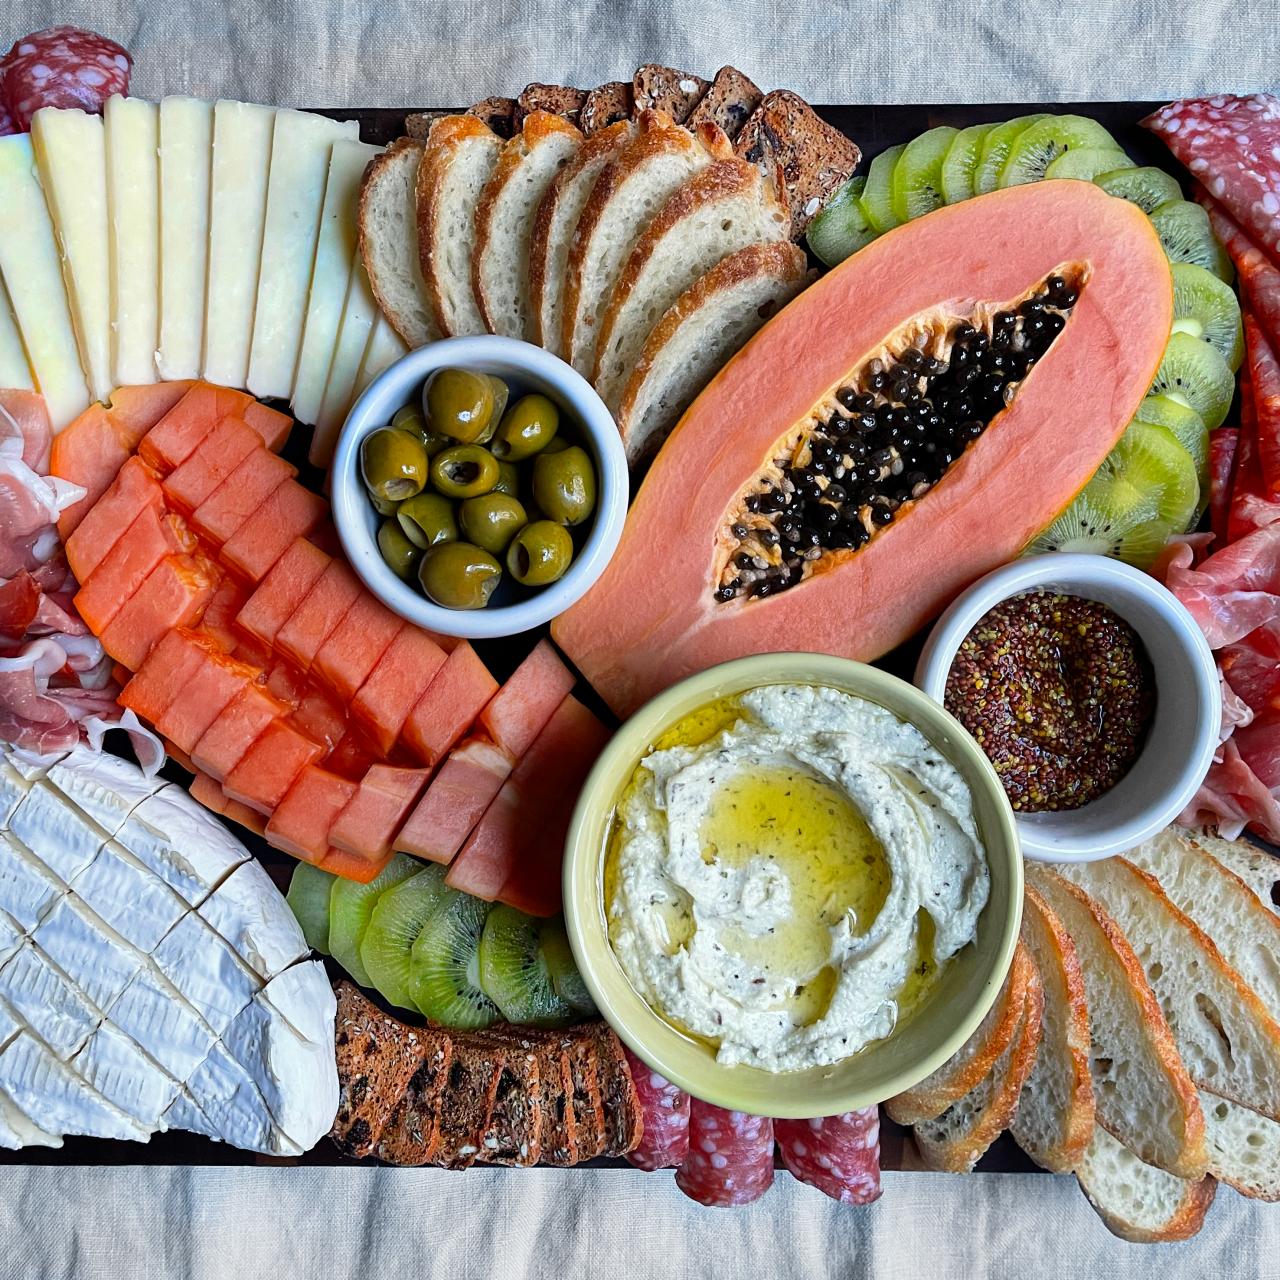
(1145, 490)
(397, 919)
(995, 151)
(877, 195)
(1195, 373)
(565, 977)
(1035, 149)
(841, 228)
(916, 185)
(961, 163)
(444, 964)
(351, 906)
(1086, 163)
(1187, 427)
(1146, 187)
(514, 972)
(1206, 307)
(308, 899)
(1184, 230)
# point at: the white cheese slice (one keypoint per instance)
(237, 212)
(57, 832)
(358, 316)
(14, 369)
(28, 889)
(252, 917)
(105, 787)
(11, 936)
(186, 160)
(32, 767)
(97, 961)
(47, 1002)
(13, 790)
(32, 272)
(133, 191)
(131, 899)
(112, 1063)
(152, 1012)
(384, 348)
(70, 149)
(330, 277)
(211, 977)
(295, 195)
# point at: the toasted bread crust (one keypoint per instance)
(729, 102)
(659, 88)
(374, 171)
(605, 105)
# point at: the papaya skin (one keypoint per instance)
(651, 618)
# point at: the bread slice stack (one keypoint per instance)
(642, 230)
(1155, 1069)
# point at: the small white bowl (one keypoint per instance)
(1183, 735)
(526, 369)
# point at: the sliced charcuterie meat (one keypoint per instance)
(1259, 276)
(1223, 444)
(1232, 145)
(665, 1107)
(1251, 507)
(839, 1155)
(62, 67)
(730, 1157)
(1264, 377)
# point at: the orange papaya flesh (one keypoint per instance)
(377, 810)
(290, 512)
(174, 595)
(135, 410)
(190, 484)
(135, 488)
(398, 680)
(164, 675)
(653, 618)
(243, 719)
(269, 768)
(449, 707)
(175, 437)
(237, 499)
(300, 824)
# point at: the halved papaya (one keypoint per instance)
(734, 544)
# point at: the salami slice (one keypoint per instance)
(1250, 507)
(1264, 378)
(1259, 276)
(63, 67)
(664, 1144)
(730, 1158)
(839, 1155)
(1222, 463)
(1232, 145)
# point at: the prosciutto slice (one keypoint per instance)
(1233, 797)
(839, 1155)
(1233, 592)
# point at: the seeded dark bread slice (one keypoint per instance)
(513, 1135)
(1244, 1148)
(466, 1103)
(605, 105)
(658, 88)
(976, 1058)
(729, 102)
(499, 114)
(814, 158)
(1256, 867)
(412, 1135)
(711, 321)
(417, 125)
(556, 1134)
(624, 1120)
(555, 99)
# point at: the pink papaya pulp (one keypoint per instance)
(654, 618)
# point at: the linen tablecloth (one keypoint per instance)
(213, 1223)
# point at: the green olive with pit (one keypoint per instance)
(540, 553)
(526, 428)
(491, 521)
(564, 485)
(427, 518)
(464, 471)
(400, 555)
(393, 463)
(508, 480)
(459, 575)
(464, 405)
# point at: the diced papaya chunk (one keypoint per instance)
(353, 648)
(204, 695)
(300, 824)
(517, 712)
(377, 810)
(351, 866)
(449, 706)
(174, 438)
(135, 488)
(314, 620)
(396, 683)
(268, 769)
(164, 675)
(239, 496)
(290, 512)
(213, 460)
(135, 410)
(313, 710)
(220, 613)
(174, 595)
(272, 425)
(282, 590)
(351, 757)
(88, 452)
(207, 791)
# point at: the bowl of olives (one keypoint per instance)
(479, 486)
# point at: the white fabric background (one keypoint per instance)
(222, 1222)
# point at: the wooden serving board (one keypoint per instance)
(873, 128)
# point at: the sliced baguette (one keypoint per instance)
(708, 324)
(459, 157)
(1142, 1092)
(722, 209)
(1244, 1148)
(658, 88)
(504, 220)
(1137, 1201)
(554, 225)
(630, 190)
(1228, 1040)
(957, 1139)
(1055, 1115)
(729, 102)
(1258, 869)
(605, 105)
(976, 1058)
(389, 241)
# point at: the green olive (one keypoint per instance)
(464, 471)
(409, 419)
(526, 428)
(508, 480)
(540, 553)
(564, 485)
(383, 506)
(464, 405)
(399, 553)
(458, 575)
(393, 463)
(491, 521)
(427, 518)
(557, 444)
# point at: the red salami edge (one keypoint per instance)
(1246, 484)
(1259, 276)
(664, 1144)
(1223, 445)
(62, 67)
(837, 1155)
(730, 1158)
(1264, 379)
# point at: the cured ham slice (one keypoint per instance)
(839, 1155)
(730, 1157)
(1264, 379)
(1223, 446)
(1233, 797)
(1251, 668)
(665, 1108)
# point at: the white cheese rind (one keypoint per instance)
(28, 889)
(105, 787)
(112, 1063)
(211, 977)
(256, 921)
(151, 1012)
(75, 940)
(14, 369)
(56, 832)
(129, 898)
(46, 1002)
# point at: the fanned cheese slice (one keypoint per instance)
(384, 348)
(358, 316)
(14, 369)
(295, 195)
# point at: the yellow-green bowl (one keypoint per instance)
(965, 989)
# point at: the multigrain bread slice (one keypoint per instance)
(708, 324)
(388, 223)
(729, 102)
(957, 1139)
(1137, 1201)
(554, 225)
(976, 1058)
(726, 207)
(1258, 869)
(606, 104)
(557, 1137)
(1142, 1092)
(505, 215)
(658, 88)
(466, 1103)
(556, 99)
(1055, 1116)
(456, 164)
(1244, 1148)
(624, 1121)
(814, 158)
(498, 113)
(417, 125)
(513, 1135)
(412, 1135)
(629, 191)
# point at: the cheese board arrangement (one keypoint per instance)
(654, 625)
